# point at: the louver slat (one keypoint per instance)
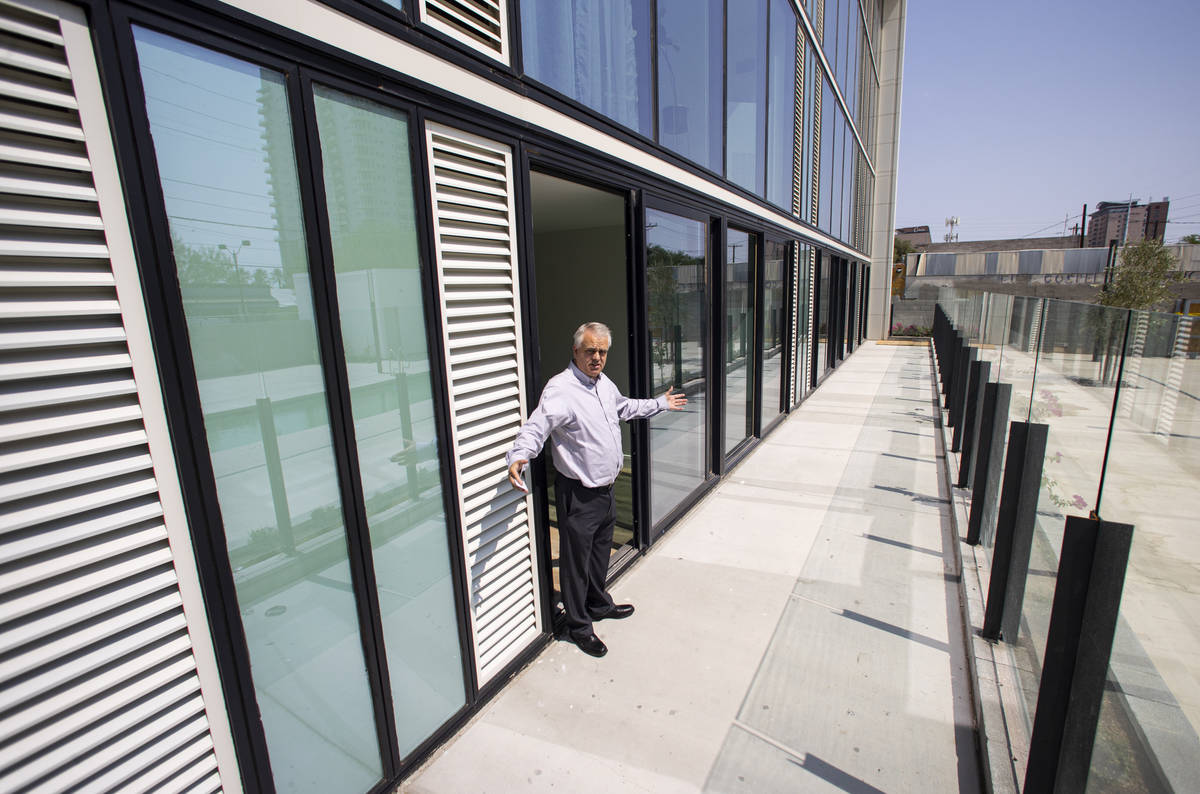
(471, 179)
(479, 24)
(99, 688)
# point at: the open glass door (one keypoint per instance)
(580, 266)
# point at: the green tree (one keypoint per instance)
(1142, 279)
(901, 248)
(1190, 239)
(203, 265)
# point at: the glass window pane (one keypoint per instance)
(676, 274)
(746, 96)
(775, 271)
(594, 51)
(372, 220)
(781, 125)
(690, 85)
(223, 140)
(740, 256)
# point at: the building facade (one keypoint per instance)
(1127, 221)
(282, 279)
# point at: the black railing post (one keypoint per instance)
(958, 393)
(1083, 621)
(971, 428)
(989, 460)
(1015, 522)
(964, 433)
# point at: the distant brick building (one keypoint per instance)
(1127, 221)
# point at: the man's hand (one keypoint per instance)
(675, 401)
(514, 475)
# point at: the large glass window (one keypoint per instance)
(372, 221)
(775, 271)
(594, 51)
(690, 86)
(223, 141)
(740, 259)
(781, 122)
(746, 92)
(677, 303)
(836, 204)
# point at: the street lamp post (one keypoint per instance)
(237, 271)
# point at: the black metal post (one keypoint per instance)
(1083, 621)
(980, 371)
(965, 429)
(958, 393)
(283, 516)
(996, 397)
(1015, 522)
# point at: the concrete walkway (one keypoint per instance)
(799, 630)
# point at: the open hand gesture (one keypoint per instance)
(675, 401)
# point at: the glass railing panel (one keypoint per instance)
(1150, 716)
(1079, 348)
(1018, 354)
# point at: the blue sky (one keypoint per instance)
(1016, 114)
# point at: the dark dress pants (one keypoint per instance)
(585, 530)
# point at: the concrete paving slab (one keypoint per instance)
(794, 632)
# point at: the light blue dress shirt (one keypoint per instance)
(581, 417)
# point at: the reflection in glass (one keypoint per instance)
(740, 258)
(781, 110)
(746, 96)
(676, 273)
(369, 189)
(594, 51)
(775, 270)
(223, 140)
(690, 79)
(1152, 481)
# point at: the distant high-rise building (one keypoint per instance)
(1127, 221)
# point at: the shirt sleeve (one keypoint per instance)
(628, 408)
(532, 436)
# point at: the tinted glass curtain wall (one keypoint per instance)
(746, 96)
(594, 51)
(691, 68)
(290, 512)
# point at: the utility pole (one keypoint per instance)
(1082, 225)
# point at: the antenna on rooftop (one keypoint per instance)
(951, 236)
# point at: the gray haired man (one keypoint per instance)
(579, 412)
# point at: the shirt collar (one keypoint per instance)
(582, 376)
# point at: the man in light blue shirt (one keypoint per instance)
(580, 413)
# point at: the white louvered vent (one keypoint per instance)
(798, 126)
(479, 24)
(475, 241)
(818, 81)
(811, 313)
(99, 688)
(794, 324)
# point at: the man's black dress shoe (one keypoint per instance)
(591, 645)
(615, 612)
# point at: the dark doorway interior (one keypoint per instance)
(580, 265)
